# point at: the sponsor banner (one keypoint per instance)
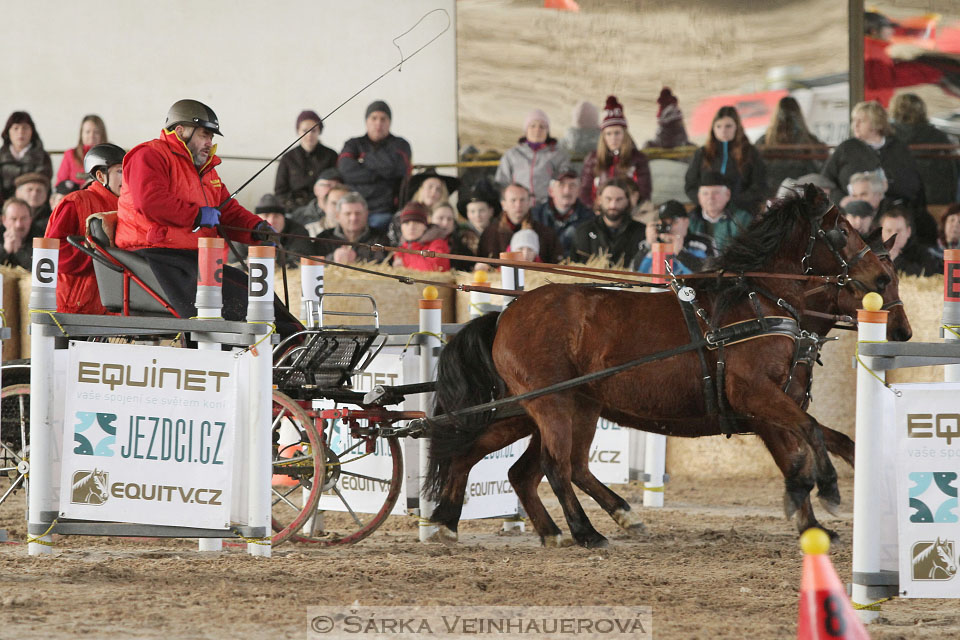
(927, 422)
(610, 453)
(489, 493)
(148, 435)
(366, 486)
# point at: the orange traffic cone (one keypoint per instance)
(825, 610)
(289, 446)
(562, 5)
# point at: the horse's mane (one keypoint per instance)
(926, 553)
(752, 248)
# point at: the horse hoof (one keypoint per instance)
(556, 541)
(447, 536)
(595, 542)
(789, 506)
(629, 521)
(830, 503)
(834, 536)
(637, 530)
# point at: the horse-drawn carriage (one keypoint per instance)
(730, 351)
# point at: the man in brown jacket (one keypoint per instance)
(516, 202)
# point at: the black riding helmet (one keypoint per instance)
(192, 113)
(102, 156)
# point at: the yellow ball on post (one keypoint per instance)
(479, 276)
(430, 293)
(814, 541)
(873, 301)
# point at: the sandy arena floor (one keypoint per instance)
(718, 562)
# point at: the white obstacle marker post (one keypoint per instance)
(209, 303)
(511, 277)
(655, 444)
(479, 299)
(311, 290)
(870, 469)
(431, 325)
(951, 307)
(43, 298)
(260, 310)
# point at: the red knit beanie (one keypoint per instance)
(613, 114)
(415, 212)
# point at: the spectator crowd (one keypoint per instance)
(576, 198)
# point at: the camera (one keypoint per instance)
(663, 226)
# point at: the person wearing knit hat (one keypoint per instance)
(527, 243)
(616, 156)
(670, 130)
(376, 164)
(418, 234)
(581, 137)
(300, 167)
(535, 159)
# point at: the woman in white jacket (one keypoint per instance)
(535, 159)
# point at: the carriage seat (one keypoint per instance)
(101, 229)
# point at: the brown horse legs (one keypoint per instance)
(525, 476)
(449, 506)
(566, 425)
(776, 416)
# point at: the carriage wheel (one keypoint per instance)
(294, 494)
(14, 432)
(345, 524)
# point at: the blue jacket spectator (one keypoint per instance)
(563, 212)
(690, 250)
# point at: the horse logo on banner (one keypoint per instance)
(934, 560)
(89, 487)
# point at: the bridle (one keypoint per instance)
(836, 240)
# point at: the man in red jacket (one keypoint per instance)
(76, 281)
(881, 74)
(171, 197)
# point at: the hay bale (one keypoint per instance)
(396, 302)
(293, 288)
(23, 286)
(11, 309)
(462, 298)
(923, 301)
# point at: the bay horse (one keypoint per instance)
(558, 332)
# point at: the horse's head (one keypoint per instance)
(943, 556)
(98, 485)
(898, 325)
(834, 248)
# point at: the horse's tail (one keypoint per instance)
(466, 377)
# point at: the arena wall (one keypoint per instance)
(256, 64)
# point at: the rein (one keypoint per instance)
(557, 269)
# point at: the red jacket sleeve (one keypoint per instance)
(233, 214)
(148, 177)
(65, 221)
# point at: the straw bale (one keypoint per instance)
(923, 301)
(462, 298)
(11, 309)
(23, 286)
(396, 302)
(293, 288)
